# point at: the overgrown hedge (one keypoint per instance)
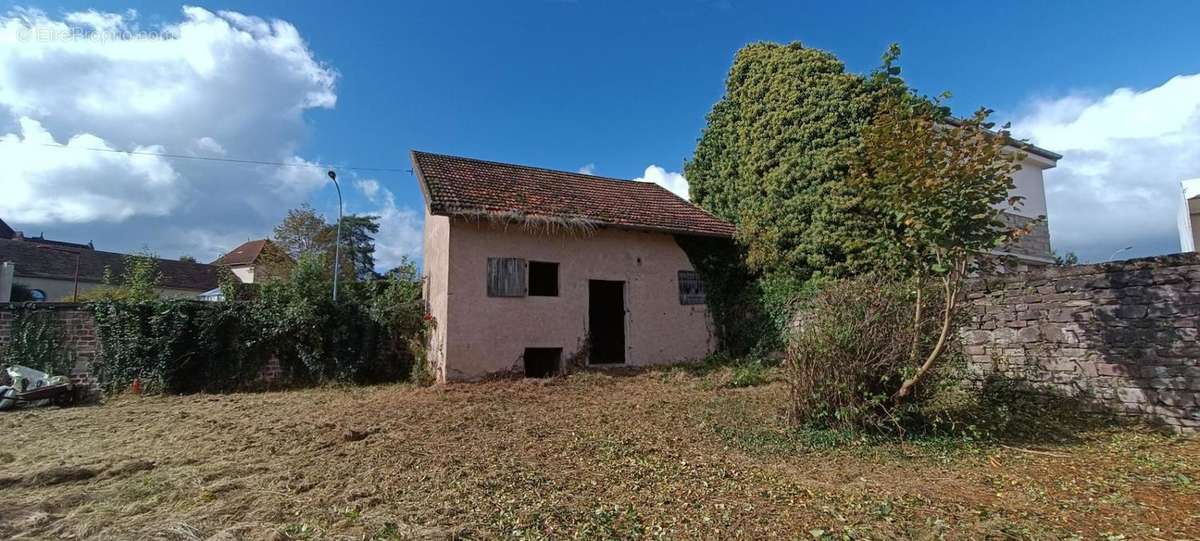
(374, 334)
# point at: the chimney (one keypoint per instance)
(6, 280)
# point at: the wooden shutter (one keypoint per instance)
(506, 277)
(691, 289)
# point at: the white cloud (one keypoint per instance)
(1124, 155)
(369, 187)
(208, 84)
(589, 169)
(210, 145)
(55, 183)
(672, 181)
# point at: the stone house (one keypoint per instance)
(529, 269)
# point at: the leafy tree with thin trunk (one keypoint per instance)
(305, 231)
(937, 189)
(301, 232)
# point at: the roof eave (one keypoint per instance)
(438, 210)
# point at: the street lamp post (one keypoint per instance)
(75, 295)
(337, 243)
(1114, 254)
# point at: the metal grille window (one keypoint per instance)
(691, 289)
(505, 277)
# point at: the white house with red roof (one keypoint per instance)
(255, 260)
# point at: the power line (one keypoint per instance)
(212, 159)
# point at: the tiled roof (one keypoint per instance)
(6, 232)
(42, 262)
(465, 186)
(245, 254)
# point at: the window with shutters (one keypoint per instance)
(505, 277)
(691, 289)
(543, 279)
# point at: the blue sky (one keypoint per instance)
(626, 85)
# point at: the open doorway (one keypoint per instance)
(606, 321)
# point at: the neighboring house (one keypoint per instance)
(256, 261)
(49, 270)
(528, 269)
(1189, 215)
(1033, 250)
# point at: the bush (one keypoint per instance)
(178, 346)
(372, 334)
(851, 349)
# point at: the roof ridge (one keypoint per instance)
(122, 254)
(457, 184)
(537, 168)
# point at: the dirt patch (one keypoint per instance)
(657, 454)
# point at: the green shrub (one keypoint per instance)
(372, 334)
(849, 354)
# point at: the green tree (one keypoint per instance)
(302, 232)
(777, 149)
(358, 244)
(139, 280)
(934, 191)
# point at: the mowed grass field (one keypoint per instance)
(659, 454)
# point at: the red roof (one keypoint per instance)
(466, 186)
(246, 254)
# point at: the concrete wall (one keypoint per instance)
(1030, 184)
(485, 335)
(79, 335)
(1033, 249)
(436, 275)
(245, 273)
(1122, 335)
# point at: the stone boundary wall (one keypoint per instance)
(79, 335)
(1122, 336)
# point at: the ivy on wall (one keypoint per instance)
(36, 340)
(373, 334)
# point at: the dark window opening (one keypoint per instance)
(543, 279)
(691, 289)
(606, 322)
(542, 362)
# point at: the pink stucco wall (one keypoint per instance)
(436, 263)
(480, 335)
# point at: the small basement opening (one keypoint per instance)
(542, 362)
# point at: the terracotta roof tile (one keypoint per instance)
(245, 254)
(456, 186)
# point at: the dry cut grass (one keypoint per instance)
(660, 454)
